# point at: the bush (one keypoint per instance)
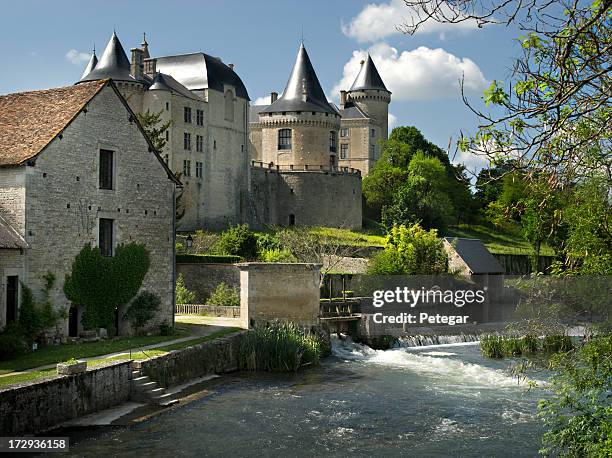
(237, 241)
(512, 346)
(224, 296)
(277, 255)
(12, 341)
(183, 295)
(529, 344)
(267, 242)
(556, 344)
(386, 262)
(492, 346)
(142, 310)
(35, 318)
(206, 259)
(278, 347)
(165, 329)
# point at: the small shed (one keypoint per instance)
(471, 257)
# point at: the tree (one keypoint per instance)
(142, 310)
(424, 196)
(102, 284)
(557, 116)
(183, 295)
(155, 128)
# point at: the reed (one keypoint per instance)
(557, 343)
(492, 346)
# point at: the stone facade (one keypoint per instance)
(57, 203)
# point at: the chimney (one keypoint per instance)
(273, 96)
(150, 67)
(342, 99)
(136, 65)
(231, 66)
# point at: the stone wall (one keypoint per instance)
(279, 291)
(315, 198)
(36, 406)
(202, 279)
(215, 357)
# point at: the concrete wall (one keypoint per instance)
(63, 202)
(285, 292)
(218, 356)
(202, 279)
(36, 406)
(315, 198)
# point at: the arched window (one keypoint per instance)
(229, 105)
(333, 141)
(284, 139)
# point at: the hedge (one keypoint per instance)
(206, 259)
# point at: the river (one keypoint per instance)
(443, 400)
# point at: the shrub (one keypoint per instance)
(165, 329)
(34, 318)
(556, 344)
(238, 241)
(278, 347)
(224, 296)
(204, 242)
(12, 341)
(492, 346)
(386, 262)
(183, 295)
(267, 242)
(277, 255)
(142, 310)
(529, 344)
(179, 247)
(511, 346)
(206, 259)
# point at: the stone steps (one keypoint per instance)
(146, 390)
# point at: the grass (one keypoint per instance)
(497, 240)
(348, 237)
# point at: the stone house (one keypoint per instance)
(207, 141)
(76, 168)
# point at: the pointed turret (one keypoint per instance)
(368, 77)
(145, 47)
(113, 63)
(303, 91)
(91, 64)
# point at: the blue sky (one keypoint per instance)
(41, 45)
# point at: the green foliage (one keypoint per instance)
(529, 344)
(101, 284)
(579, 414)
(267, 242)
(154, 128)
(179, 247)
(224, 296)
(12, 341)
(277, 255)
(492, 346)
(238, 241)
(278, 347)
(495, 346)
(34, 318)
(557, 343)
(411, 251)
(142, 310)
(165, 329)
(72, 361)
(183, 295)
(207, 259)
(512, 346)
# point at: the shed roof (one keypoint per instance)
(475, 255)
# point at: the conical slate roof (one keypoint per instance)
(303, 91)
(91, 65)
(163, 82)
(113, 64)
(368, 77)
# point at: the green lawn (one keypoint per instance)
(497, 241)
(348, 237)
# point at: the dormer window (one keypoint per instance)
(284, 139)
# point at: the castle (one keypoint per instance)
(297, 161)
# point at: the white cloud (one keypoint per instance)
(378, 21)
(473, 162)
(391, 121)
(261, 101)
(77, 58)
(419, 74)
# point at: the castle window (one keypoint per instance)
(200, 117)
(199, 143)
(333, 141)
(284, 139)
(229, 105)
(106, 169)
(291, 219)
(187, 115)
(344, 133)
(167, 135)
(373, 132)
(343, 150)
(198, 169)
(187, 168)
(187, 141)
(167, 106)
(372, 149)
(105, 236)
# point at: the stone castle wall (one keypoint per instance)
(314, 198)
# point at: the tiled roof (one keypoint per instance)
(9, 237)
(30, 120)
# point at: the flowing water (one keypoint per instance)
(441, 400)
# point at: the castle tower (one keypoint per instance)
(93, 61)
(300, 128)
(371, 95)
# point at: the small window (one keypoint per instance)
(333, 140)
(373, 132)
(200, 117)
(344, 150)
(372, 149)
(344, 133)
(167, 106)
(187, 115)
(284, 139)
(198, 169)
(106, 169)
(187, 141)
(214, 144)
(186, 168)
(105, 236)
(167, 135)
(291, 219)
(199, 143)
